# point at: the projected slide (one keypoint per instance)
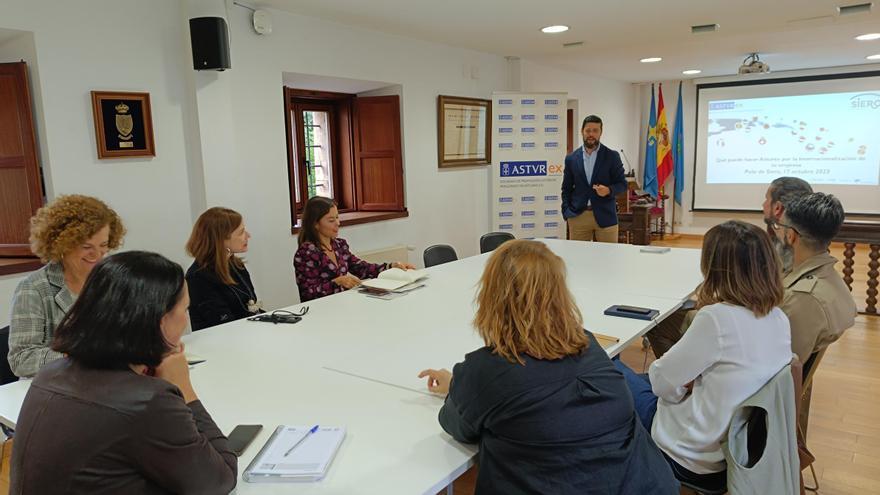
(831, 138)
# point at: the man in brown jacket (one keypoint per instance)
(818, 303)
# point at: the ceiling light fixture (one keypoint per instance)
(873, 57)
(691, 72)
(650, 60)
(554, 29)
(868, 37)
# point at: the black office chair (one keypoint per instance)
(6, 374)
(491, 241)
(439, 254)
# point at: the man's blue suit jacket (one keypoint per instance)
(577, 189)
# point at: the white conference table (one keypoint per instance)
(353, 361)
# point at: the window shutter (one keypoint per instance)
(20, 190)
(378, 157)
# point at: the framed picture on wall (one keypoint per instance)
(123, 124)
(463, 131)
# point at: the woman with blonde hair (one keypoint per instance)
(550, 412)
(738, 340)
(71, 235)
(220, 287)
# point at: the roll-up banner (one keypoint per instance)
(529, 136)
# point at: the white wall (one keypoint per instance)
(448, 206)
(8, 283)
(107, 45)
(613, 101)
(112, 45)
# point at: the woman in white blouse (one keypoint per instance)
(737, 342)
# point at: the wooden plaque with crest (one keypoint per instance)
(123, 124)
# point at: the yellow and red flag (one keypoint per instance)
(664, 144)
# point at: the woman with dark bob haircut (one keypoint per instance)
(119, 414)
(323, 263)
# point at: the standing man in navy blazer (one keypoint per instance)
(593, 176)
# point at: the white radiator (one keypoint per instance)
(386, 255)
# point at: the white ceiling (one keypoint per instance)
(789, 34)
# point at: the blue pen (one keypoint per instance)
(301, 440)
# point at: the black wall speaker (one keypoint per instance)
(210, 43)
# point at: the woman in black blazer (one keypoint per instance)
(220, 287)
(542, 398)
(119, 413)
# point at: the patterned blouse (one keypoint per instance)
(315, 270)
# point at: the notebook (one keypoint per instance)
(309, 459)
(394, 278)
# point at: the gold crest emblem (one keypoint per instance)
(124, 124)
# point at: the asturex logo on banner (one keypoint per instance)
(527, 163)
(523, 169)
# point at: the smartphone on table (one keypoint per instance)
(242, 436)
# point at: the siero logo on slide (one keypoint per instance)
(524, 169)
(866, 100)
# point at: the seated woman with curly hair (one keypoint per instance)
(70, 235)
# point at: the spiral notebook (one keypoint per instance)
(294, 454)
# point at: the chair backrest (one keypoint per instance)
(811, 366)
(491, 241)
(439, 254)
(761, 443)
(6, 374)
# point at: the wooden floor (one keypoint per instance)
(844, 430)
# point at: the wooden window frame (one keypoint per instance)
(17, 257)
(346, 173)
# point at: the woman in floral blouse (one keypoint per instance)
(323, 263)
